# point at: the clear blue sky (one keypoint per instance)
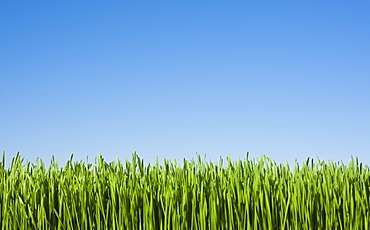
(288, 79)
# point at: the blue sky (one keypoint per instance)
(288, 79)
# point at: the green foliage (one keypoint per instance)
(199, 195)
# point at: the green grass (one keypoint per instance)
(241, 194)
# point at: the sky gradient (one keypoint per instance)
(288, 79)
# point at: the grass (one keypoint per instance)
(241, 194)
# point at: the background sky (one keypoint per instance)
(288, 79)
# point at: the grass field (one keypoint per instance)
(196, 194)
